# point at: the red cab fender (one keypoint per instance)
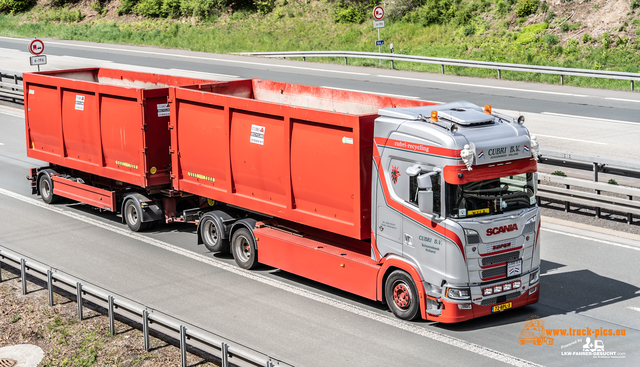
(387, 266)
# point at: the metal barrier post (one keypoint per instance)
(345, 61)
(79, 299)
(145, 329)
(0, 263)
(112, 327)
(499, 74)
(629, 215)
(561, 79)
(632, 85)
(23, 276)
(224, 348)
(50, 286)
(15, 81)
(596, 170)
(183, 345)
(442, 66)
(567, 205)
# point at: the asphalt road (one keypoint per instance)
(578, 120)
(588, 281)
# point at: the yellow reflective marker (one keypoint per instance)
(153, 170)
(211, 202)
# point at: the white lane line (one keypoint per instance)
(634, 308)
(587, 118)
(483, 86)
(368, 92)
(211, 75)
(13, 113)
(387, 320)
(196, 57)
(558, 137)
(592, 239)
(624, 100)
(1, 143)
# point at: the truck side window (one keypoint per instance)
(413, 190)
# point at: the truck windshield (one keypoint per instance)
(492, 196)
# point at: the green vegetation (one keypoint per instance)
(612, 182)
(559, 173)
(510, 31)
(15, 318)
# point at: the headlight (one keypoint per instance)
(458, 293)
(530, 225)
(534, 277)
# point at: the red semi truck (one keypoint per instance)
(427, 208)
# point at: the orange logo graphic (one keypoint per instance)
(533, 332)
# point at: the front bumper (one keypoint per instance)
(451, 313)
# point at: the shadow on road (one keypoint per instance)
(561, 293)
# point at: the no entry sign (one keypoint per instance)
(36, 47)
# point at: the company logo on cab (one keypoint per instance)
(503, 229)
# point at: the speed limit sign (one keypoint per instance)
(378, 13)
(36, 47)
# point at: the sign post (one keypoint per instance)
(378, 15)
(36, 47)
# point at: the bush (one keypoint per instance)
(635, 4)
(348, 15)
(171, 9)
(264, 6)
(565, 27)
(526, 7)
(586, 38)
(126, 6)
(469, 30)
(612, 182)
(559, 173)
(148, 8)
(16, 6)
(436, 12)
(551, 39)
(606, 39)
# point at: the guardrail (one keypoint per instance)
(499, 66)
(188, 335)
(11, 85)
(596, 165)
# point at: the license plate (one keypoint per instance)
(514, 268)
(502, 307)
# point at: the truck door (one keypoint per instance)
(421, 242)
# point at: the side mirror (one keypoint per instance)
(414, 170)
(424, 181)
(425, 201)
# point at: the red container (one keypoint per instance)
(110, 123)
(291, 151)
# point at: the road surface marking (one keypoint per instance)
(211, 75)
(634, 308)
(592, 239)
(377, 93)
(384, 319)
(11, 112)
(558, 137)
(624, 100)
(194, 57)
(587, 118)
(482, 86)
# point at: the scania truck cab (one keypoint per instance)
(454, 190)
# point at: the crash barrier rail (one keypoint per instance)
(11, 85)
(596, 165)
(231, 354)
(499, 66)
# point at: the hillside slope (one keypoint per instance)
(596, 34)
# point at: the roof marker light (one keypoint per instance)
(487, 109)
(434, 116)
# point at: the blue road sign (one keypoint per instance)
(380, 43)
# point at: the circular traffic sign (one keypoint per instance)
(378, 13)
(36, 47)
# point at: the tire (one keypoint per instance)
(133, 217)
(401, 295)
(244, 249)
(45, 186)
(211, 234)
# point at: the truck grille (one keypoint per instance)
(499, 299)
(494, 272)
(497, 259)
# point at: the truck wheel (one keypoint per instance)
(211, 234)
(45, 185)
(244, 249)
(401, 295)
(133, 217)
